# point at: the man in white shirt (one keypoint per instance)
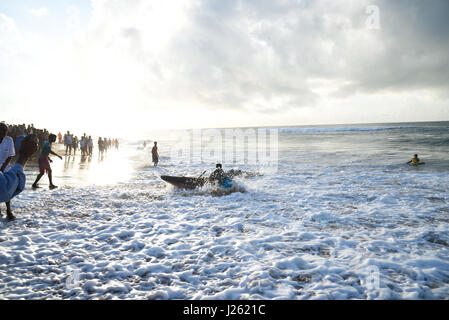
(6, 147)
(6, 153)
(12, 182)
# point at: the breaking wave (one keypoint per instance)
(342, 129)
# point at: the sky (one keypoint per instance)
(105, 66)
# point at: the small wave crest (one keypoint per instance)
(342, 129)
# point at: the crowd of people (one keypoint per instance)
(18, 131)
(22, 142)
(86, 144)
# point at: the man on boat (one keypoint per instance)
(218, 174)
(415, 161)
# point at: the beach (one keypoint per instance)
(340, 217)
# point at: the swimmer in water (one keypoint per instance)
(415, 161)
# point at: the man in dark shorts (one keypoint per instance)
(155, 154)
(44, 162)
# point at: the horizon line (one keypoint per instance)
(305, 125)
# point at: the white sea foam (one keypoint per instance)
(329, 221)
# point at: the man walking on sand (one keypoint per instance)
(44, 162)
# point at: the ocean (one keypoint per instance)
(329, 212)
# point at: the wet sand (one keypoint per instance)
(76, 170)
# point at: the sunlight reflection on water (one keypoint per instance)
(113, 167)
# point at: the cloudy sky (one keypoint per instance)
(142, 64)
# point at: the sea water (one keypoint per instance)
(340, 216)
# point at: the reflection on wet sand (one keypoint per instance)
(80, 170)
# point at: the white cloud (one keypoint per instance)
(73, 17)
(41, 12)
(222, 63)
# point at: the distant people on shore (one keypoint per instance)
(155, 154)
(44, 162)
(13, 135)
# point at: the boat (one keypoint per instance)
(185, 182)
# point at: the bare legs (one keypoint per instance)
(39, 176)
(9, 214)
(50, 179)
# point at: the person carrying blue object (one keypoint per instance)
(13, 181)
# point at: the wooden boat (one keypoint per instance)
(185, 182)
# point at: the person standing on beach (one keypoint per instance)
(12, 182)
(7, 151)
(75, 144)
(44, 162)
(90, 144)
(68, 143)
(82, 145)
(86, 145)
(155, 154)
(100, 147)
